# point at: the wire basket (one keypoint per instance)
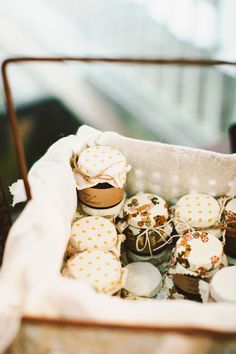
(41, 334)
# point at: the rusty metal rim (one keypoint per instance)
(129, 327)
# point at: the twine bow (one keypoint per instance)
(158, 230)
(101, 175)
(223, 226)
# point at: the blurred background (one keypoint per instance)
(187, 106)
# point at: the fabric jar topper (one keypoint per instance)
(94, 233)
(145, 222)
(143, 279)
(223, 285)
(101, 269)
(99, 164)
(197, 211)
(197, 255)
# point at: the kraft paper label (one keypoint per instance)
(101, 198)
(186, 283)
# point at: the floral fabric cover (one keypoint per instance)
(199, 252)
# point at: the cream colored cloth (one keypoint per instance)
(30, 279)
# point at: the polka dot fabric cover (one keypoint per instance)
(101, 269)
(93, 232)
(196, 210)
(101, 164)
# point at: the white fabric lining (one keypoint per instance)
(30, 275)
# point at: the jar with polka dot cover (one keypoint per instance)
(198, 255)
(196, 211)
(230, 218)
(101, 269)
(93, 232)
(79, 214)
(145, 222)
(100, 175)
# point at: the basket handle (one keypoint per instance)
(11, 113)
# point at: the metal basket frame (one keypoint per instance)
(20, 154)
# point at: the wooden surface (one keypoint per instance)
(53, 339)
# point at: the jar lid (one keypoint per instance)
(101, 269)
(93, 232)
(143, 279)
(199, 251)
(231, 206)
(197, 210)
(223, 285)
(145, 210)
(100, 164)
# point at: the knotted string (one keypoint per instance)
(158, 230)
(101, 175)
(223, 226)
(222, 202)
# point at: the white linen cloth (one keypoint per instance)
(30, 280)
